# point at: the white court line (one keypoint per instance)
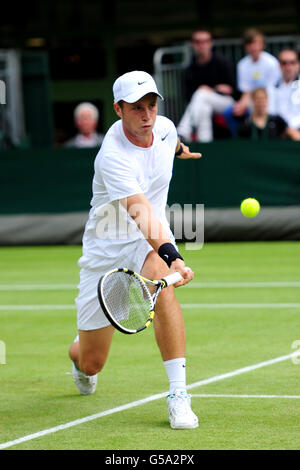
(228, 395)
(133, 404)
(236, 305)
(38, 307)
(190, 285)
(239, 285)
(21, 287)
(183, 305)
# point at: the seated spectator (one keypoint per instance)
(86, 117)
(257, 69)
(209, 86)
(262, 125)
(285, 95)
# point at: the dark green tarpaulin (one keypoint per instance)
(39, 181)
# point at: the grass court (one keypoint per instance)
(242, 322)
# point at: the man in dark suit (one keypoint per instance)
(209, 86)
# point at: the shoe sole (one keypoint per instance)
(183, 426)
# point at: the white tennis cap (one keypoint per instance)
(132, 86)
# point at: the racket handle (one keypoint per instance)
(172, 279)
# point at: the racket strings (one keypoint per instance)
(127, 299)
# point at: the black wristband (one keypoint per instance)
(179, 151)
(168, 253)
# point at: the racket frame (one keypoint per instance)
(159, 284)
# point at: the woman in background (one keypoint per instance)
(262, 125)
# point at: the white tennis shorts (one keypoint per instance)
(89, 312)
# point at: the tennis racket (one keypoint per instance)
(126, 299)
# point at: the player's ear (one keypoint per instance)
(118, 109)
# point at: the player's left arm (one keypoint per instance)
(183, 151)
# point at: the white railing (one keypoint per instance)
(11, 108)
(170, 62)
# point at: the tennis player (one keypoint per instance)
(133, 170)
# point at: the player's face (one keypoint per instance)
(138, 119)
(289, 65)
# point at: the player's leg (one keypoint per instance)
(88, 354)
(170, 336)
(169, 325)
(90, 349)
(168, 321)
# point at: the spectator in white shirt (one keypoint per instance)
(284, 97)
(257, 69)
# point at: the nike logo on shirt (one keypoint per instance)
(163, 138)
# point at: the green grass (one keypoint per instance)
(36, 393)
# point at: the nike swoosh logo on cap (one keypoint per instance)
(141, 83)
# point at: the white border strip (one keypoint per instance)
(133, 404)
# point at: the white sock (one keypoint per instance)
(175, 369)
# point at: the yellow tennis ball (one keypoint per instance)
(250, 207)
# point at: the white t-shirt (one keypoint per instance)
(284, 100)
(262, 73)
(123, 169)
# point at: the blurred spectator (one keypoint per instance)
(209, 86)
(257, 69)
(86, 117)
(285, 95)
(262, 125)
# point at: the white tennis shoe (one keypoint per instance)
(181, 415)
(86, 384)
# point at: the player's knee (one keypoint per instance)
(72, 351)
(91, 367)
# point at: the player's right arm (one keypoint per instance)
(140, 210)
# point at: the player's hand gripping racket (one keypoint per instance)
(126, 300)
